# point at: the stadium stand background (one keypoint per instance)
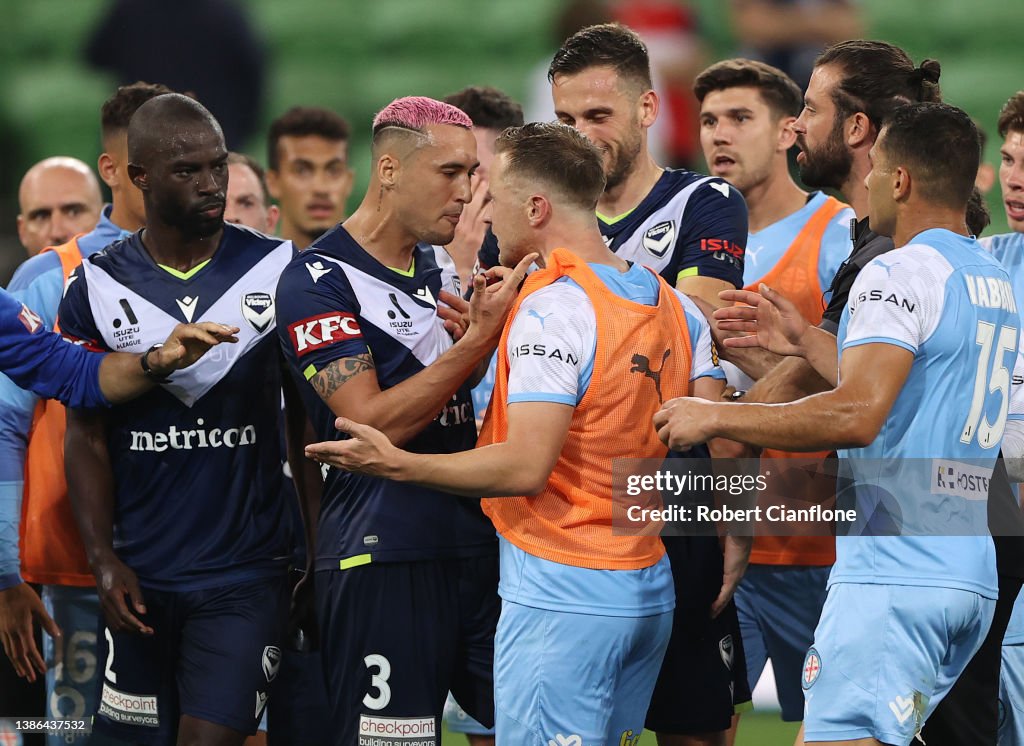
(355, 55)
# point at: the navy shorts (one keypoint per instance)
(704, 673)
(395, 637)
(213, 656)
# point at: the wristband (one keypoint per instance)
(149, 372)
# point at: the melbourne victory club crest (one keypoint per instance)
(658, 239)
(271, 661)
(258, 310)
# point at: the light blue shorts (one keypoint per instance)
(1011, 696)
(567, 678)
(884, 656)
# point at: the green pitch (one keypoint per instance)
(756, 729)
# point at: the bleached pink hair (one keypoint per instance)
(417, 112)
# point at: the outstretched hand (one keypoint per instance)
(366, 450)
(769, 319)
(187, 343)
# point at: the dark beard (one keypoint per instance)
(623, 164)
(829, 166)
(192, 225)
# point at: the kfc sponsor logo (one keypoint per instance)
(319, 331)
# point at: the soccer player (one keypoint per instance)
(854, 86)
(248, 199)
(1008, 248)
(32, 445)
(406, 578)
(491, 111)
(190, 573)
(906, 347)
(692, 230)
(796, 243)
(58, 198)
(308, 172)
(593, 345)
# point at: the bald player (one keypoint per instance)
(58, 198)
(191, 575)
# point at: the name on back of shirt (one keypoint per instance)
(991, 292)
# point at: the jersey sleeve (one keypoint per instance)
(37, 284)
(712, 234)
(835, 247)
(702, 346)
(895, 300)
(317, 316)
(1016, 409)
(551, 346)
(77, 323)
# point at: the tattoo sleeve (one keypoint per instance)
(335, 375)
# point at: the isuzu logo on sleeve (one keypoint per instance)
(258, 310)
(658, 239)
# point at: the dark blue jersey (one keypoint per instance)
(687, 225)
(336, 301)
(197, 461)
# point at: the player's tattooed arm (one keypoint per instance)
(340, 372)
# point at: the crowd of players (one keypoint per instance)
(208, 569)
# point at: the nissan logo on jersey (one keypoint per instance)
(319, 331)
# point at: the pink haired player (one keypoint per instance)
(405, 577)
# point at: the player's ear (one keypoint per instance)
(107, 168)
(388, 168)
(138, 176)
(787, 135)
(649, 106)
(859, 130)
(538, 210)
(901, 181)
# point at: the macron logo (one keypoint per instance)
(316, 270)
(187, 306)
(425, 295)
(318, 331)
(722, 188)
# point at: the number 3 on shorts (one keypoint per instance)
(378, 681)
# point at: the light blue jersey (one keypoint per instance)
(1008, 248)
(38, 283)
(561, 316)
(951, 304)
(766, 247)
